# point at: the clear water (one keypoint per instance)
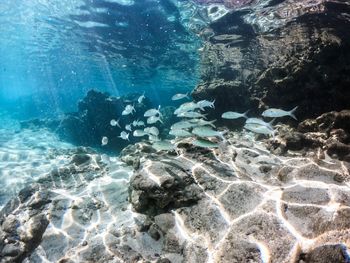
(52, 52)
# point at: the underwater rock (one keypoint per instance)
(326, 135)
(92, 121)
(280, 54)
(162, 185)
(241, 212)
(326, 254)
(236, 203)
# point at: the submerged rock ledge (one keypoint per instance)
(238, 203)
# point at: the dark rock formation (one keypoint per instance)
(328, 133)
(92, 121)
(278, 54)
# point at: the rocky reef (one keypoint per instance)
(327, 135)
(91, 122)
(260, 54)
(243, 204)
(237, 203)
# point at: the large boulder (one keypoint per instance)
(92, 121)
(277, 54)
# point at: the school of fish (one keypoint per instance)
(193, 124)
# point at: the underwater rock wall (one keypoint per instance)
(91, 122)
(278, 54)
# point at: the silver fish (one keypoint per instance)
(115, 123)
(191, 114)
(128, 127)
(152, 130)
(180, 133)
(261, 129)
(139, 133)
(182, 125)
(163, 146)
(104, 141)
(128, 109)
(138, 123)
(275, 113)
(152, 112)
(188, 106)
(205, 103)
(231, 115)
(123, 135)
(206, 131)
(141, 98)
(260, 122)
(205, 143)
(154, 119)
(153, 138)
(179, 96)
(201, 122)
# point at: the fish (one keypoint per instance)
(123, 135)
(153, 138)
(152, 130)
(191, 114)
(152, 112)
(180, 133)
(114, 122)
(261, 129)
(139, 133)
(141, 98)
(104, 141)
(276, 113)
(128, 127)
(154, 119)
(138, 123)
(163, 146)
(128, 109)
(182, 125)
(188, 106)
(206, 131)
(205, 103)
(260, 122)
(201, 122)
(179, 96)
(205, 143)
(231, 115)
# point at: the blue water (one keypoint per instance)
(53, 52)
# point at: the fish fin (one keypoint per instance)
(161, 120)
(245, 114)
(211, 123)
(271, 122)
(212, 104)
(187, 95)
(222, 135)
(118, 124)
(291, 113)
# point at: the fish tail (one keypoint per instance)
(211, 123)
(212, 104)
(187, 95)
(118, 124)
(245, 114)
(291, 113)
(127, 136)
(222, 135)
(271, 122)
